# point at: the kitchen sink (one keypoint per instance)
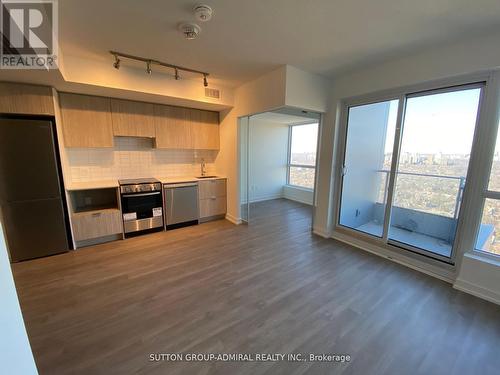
(201, 177)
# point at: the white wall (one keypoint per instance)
(306, 90)
(298, 194)
(479, 277)
(15, 351)
(268, 159)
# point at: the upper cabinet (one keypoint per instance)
(186, 128)
(26, 99)
(132, 119)
(92, 121)
(205, 128)
(173, 127)
(86, 120)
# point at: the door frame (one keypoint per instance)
(321, 118)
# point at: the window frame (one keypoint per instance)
(472, 200)
(289, 163)
(489, 133)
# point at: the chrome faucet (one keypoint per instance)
(203, 171)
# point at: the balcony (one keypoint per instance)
(424, 214)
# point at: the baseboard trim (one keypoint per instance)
(304, 201)
(265, 198)
(440, 274)
(234, 220)
(322, 232)
(476, 290)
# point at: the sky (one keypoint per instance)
(304, 138)
(436, 123)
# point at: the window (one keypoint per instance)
(302, 155)
(489, 231)
(411, 199)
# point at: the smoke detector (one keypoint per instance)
(202, 12)
(190, 30)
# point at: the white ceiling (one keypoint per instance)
(246, 38)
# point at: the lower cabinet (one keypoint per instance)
(215, 206)
(95, 224)
(212, 198)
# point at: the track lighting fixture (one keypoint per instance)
(116, 64)
(150, 62)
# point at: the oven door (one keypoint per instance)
(142, 211)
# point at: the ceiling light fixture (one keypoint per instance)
(150, 62)
(116, 64)
(203, 12)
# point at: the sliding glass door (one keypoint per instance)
(438, 130)
(367, 162)
(405, 168)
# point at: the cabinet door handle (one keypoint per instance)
(213, 197)
(96, 214)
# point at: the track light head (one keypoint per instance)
(148, 67)
(205, 82)
(177, 77)
(116, 64)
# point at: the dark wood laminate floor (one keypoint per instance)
(271, 287)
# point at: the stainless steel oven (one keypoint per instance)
(142, 205)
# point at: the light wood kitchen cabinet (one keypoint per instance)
(212, 198)
(205, 126)
(186, 128)
(212, 188)
(26, 99)
(86, 120)
(212, 207)
(173, 128)
(132, 119)
(96, 224)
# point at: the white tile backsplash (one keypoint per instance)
(134, 158)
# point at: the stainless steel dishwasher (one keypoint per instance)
(181, 204)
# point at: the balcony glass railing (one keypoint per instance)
(429, 193)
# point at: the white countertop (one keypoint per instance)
(88, 185)
(176, 180)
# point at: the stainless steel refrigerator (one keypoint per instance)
(32, 206)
